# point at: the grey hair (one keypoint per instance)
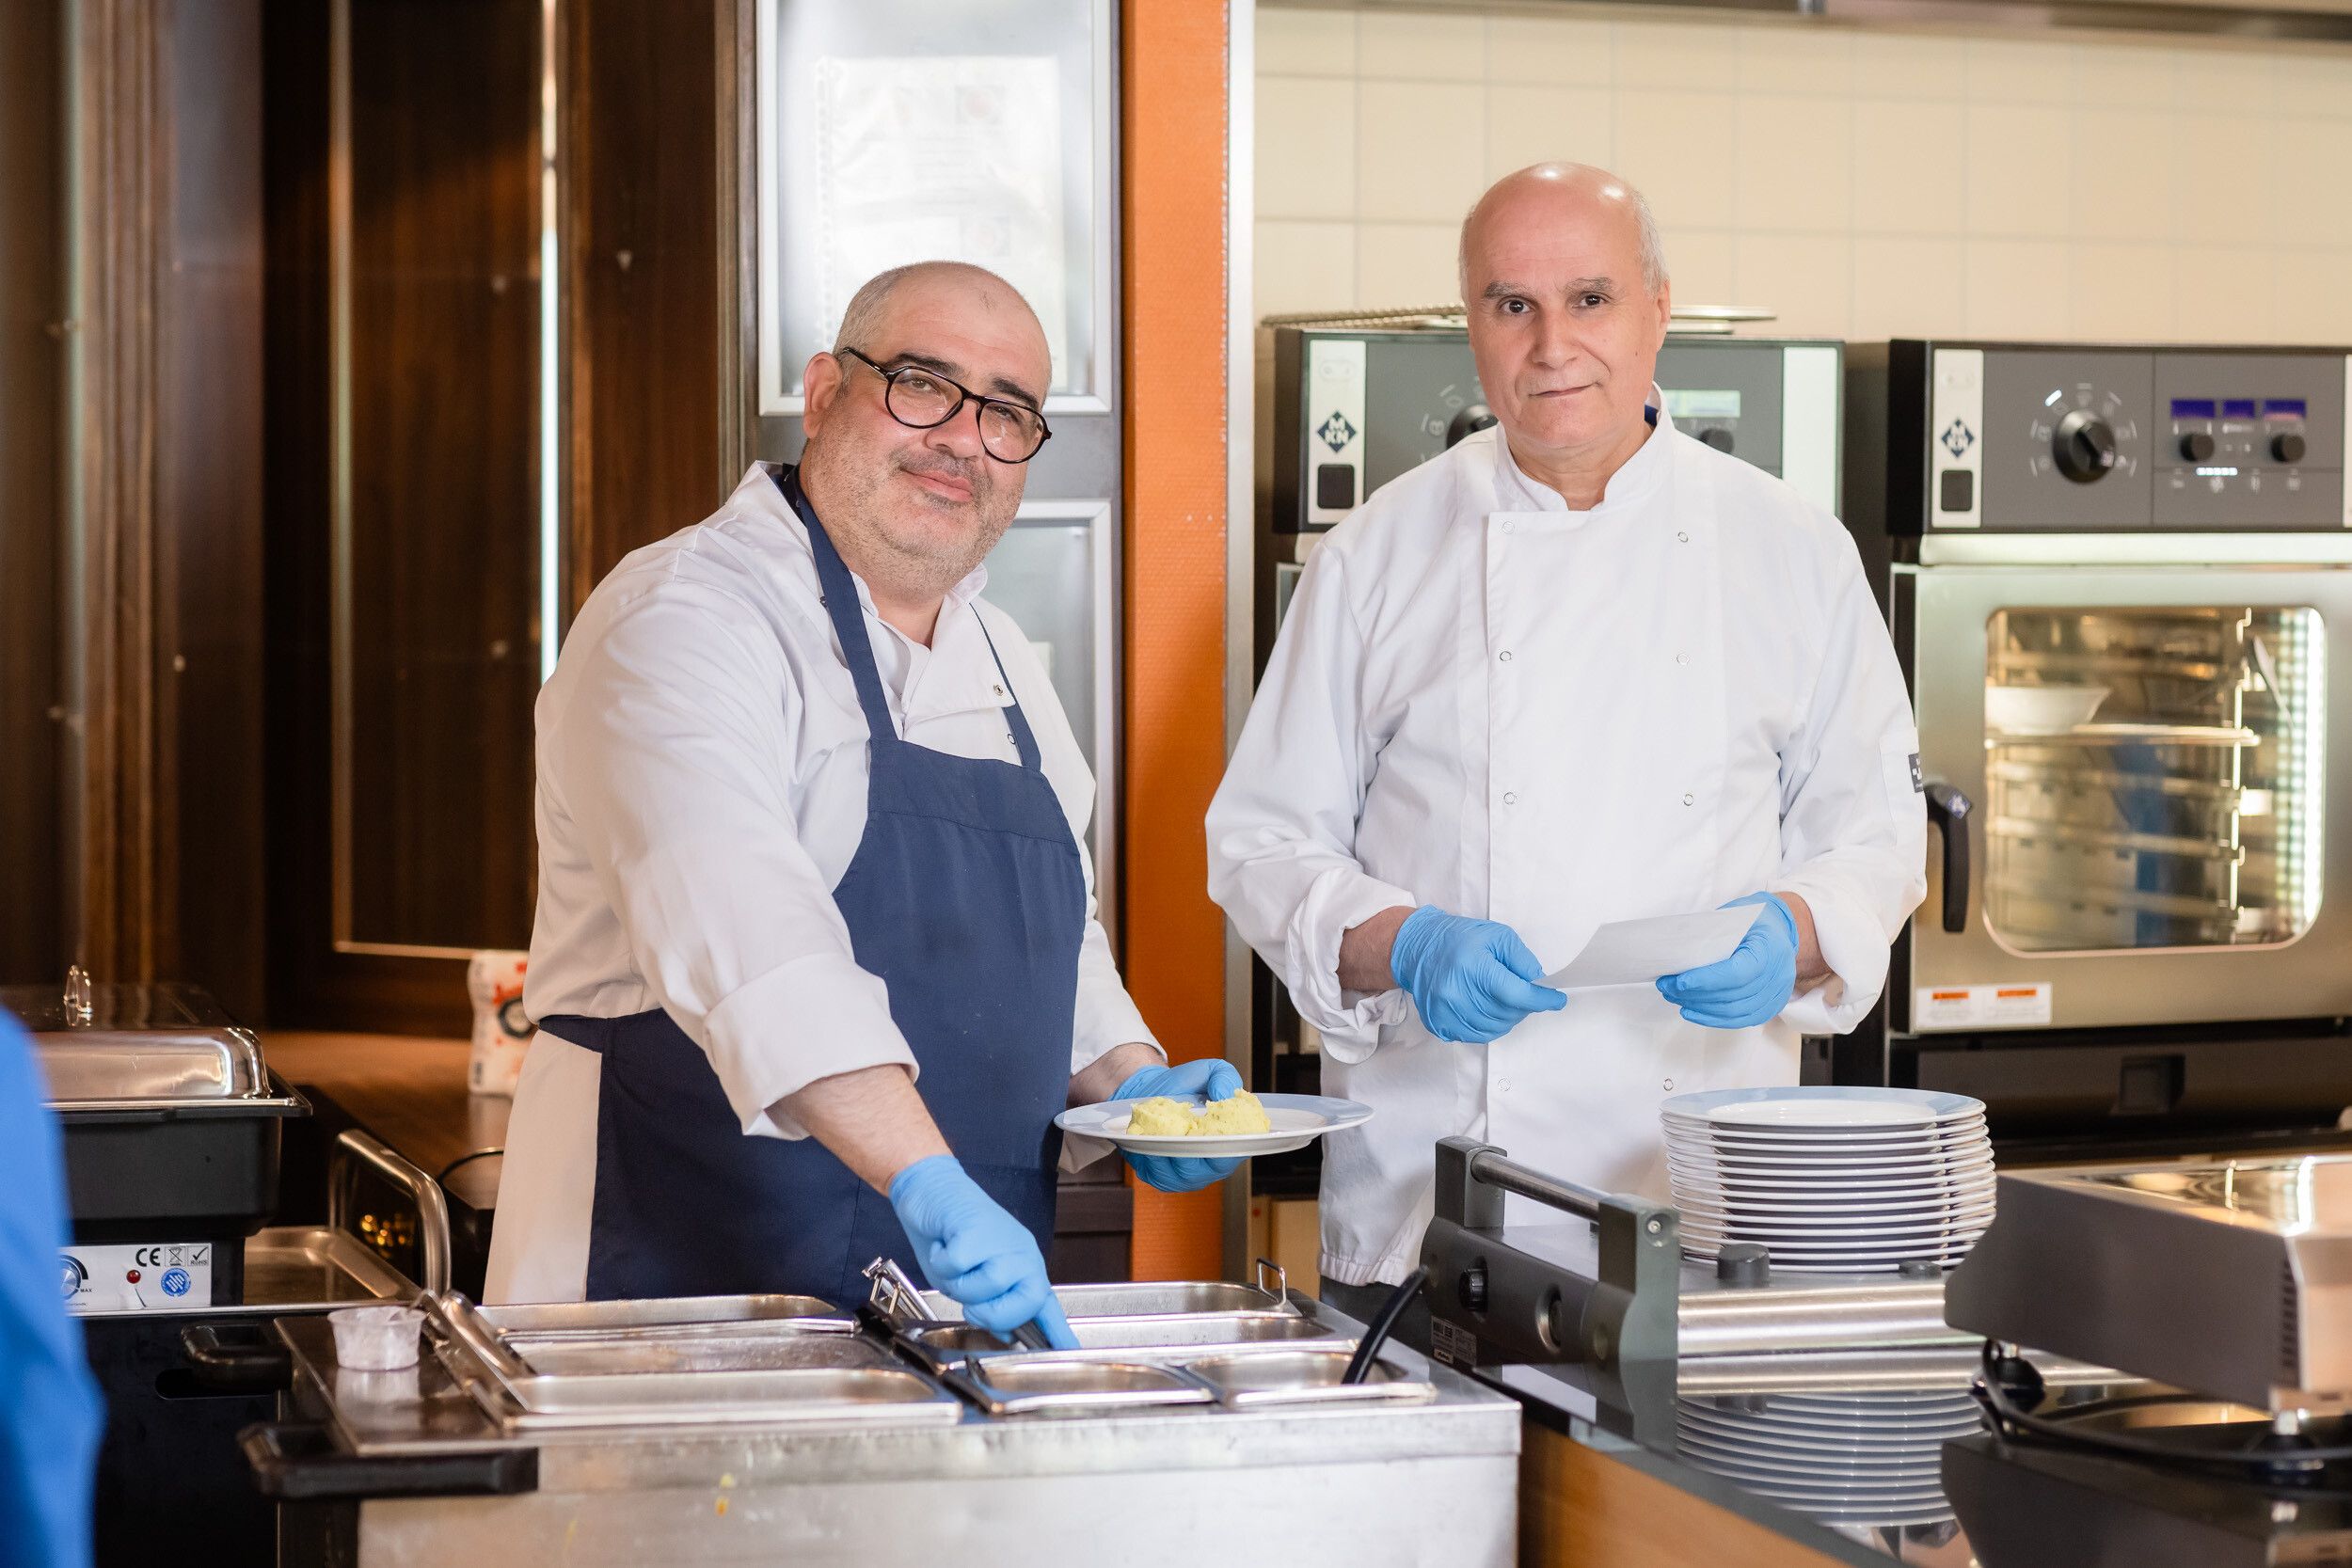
(1654, 274)
(864, 310)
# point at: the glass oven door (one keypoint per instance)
(2131, 771)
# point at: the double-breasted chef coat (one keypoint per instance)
(1484, 700)
(781, 841)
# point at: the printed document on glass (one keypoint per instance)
(1633, 952)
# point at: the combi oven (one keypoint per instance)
(2117, 582)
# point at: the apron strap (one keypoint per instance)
(842, 607)
(1024, 740)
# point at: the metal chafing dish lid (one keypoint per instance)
(105, 1046)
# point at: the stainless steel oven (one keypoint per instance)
(2118, 578)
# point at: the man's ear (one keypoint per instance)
(820, 381)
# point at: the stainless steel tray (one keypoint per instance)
(1045, 1385)
(682, 1315)
(1303, 1377)
(1156, 1297)
(571, 1355)
(293, 1266)
(1158, 1337)
(827, 1396)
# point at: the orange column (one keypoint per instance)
(1172, 118)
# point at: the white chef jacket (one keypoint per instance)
(1485, 701)
(702, 774)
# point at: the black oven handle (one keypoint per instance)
(1949, 808)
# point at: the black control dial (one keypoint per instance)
(2287, 448)
(1470, 417)
(2197, 446)
(2083, 446)
(1716, 436)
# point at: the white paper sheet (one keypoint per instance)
(1631, 952)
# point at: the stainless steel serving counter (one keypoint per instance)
(1369, 1482)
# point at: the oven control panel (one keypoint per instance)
(2096, 440)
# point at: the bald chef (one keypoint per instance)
(816, 962)
(1581, 668)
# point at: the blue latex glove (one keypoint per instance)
(1753, 983)
(1208, 1079)
(1473, 980)
(975, 1251)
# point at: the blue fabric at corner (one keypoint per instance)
(50, 1412)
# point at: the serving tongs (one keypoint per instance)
(900, 1303)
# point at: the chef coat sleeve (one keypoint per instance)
(1106, 1015)
(1281, 829)
(1853, 828)
(670, 756)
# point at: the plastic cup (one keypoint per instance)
(376, 1338)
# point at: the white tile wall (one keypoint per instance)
(1865, 183)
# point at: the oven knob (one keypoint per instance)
(2083, 446)
(2287, 448)
(1716, 437)
(1471, 417)
(2197, 446)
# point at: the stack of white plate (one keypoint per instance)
(1832, 1180)
(1856, 1458)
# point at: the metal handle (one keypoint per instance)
(251, 1361)
(80, 1002)
(1511, 1177)
(1949, 808)
(299, 1461)
(1281, 1289)
(355, 1149)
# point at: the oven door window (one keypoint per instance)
(2154, 776)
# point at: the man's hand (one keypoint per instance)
(1753, 985)
(976, 1252)
(1473, 980)
(1210, 1078)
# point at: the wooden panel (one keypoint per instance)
(33, 941)
(443, 361)
(445, 343)
(1580, 1509)
(1172, 202)
(208, 511)
(643, 142)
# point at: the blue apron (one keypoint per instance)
(967, 898)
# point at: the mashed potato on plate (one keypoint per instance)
(1162, 1117)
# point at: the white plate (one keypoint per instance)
(1922, 1163)
(1963, 1131)
(1841, 1105)
(1844, 1144)
(1828, 1191)
(1298, 1120)
(1797, 1228)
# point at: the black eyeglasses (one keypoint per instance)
(924, 400)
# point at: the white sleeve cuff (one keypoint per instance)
(816, 1016)
(1337, 902)
(1854, 947)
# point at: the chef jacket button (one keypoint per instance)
(1504, 656)
(1668, 1086)
(1508, 525)
(1682, 658)
(1682, 535)
(1502, 1085)
(1509, 798)
(1687, 797)
(998, 690)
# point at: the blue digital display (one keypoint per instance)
(2237, 408)
(2192, 408)
(2283, 408)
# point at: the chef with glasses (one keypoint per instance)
(815, 960)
